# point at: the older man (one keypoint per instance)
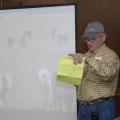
(98, 86)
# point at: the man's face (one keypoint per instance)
(94, 43)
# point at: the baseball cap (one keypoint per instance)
(93, 28)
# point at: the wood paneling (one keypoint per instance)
(9, 3)
(27, 2)
(1, 3)
(13, 3)
(117, 104)
(105, 11)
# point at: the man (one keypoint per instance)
(98, 86)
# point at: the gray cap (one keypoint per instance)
(93, 28)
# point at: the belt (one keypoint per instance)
(95, 101)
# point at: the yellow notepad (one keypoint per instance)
(69, 72)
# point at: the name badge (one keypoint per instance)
(98, 58)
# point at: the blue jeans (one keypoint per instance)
(105, 110)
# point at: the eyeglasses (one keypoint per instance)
(90, 39)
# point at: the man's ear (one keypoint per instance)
(104, 35)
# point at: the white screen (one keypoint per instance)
(32, 41)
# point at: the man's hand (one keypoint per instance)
(77, 58)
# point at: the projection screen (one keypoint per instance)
(32, 41)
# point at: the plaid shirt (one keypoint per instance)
(100, 75)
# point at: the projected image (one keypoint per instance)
(5, 85)
(50, 99)
(45, 84)
(20, 41)
(59, 37)
(31, 45)
(26, 37)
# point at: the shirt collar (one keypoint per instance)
(102, 47)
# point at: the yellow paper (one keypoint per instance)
(69, 72)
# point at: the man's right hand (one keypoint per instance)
(77, 57)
